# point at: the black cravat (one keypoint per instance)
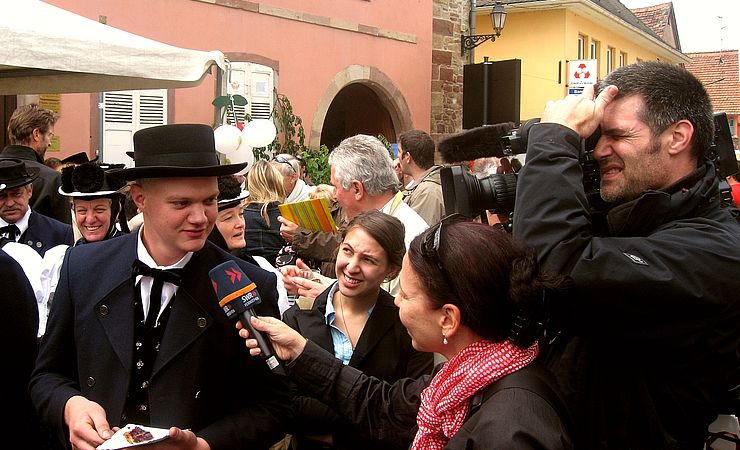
(10, 231)
(173, 276)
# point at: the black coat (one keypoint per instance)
(652, 329)
(383, 350)
(44, 233)
(18, 334)
(203, 378)
(46, 198)
(512, 418)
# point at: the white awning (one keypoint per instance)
(45, 49)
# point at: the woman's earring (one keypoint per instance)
(444, 339)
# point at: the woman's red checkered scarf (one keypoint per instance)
(445, 402)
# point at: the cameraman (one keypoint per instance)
(648, 352)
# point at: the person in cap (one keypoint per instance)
(30, 131)
(18, 221)
(229, 230)
(116, 351)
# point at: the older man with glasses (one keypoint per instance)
(296, 189)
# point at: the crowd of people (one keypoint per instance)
(407, 327)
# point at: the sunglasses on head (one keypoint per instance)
(282, 160)
(432, 238)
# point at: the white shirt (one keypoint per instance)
(300, 192)
(283, 304)
(31, 262)
(22, 223)
(145, 283)
(413, 226)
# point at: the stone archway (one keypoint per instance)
(388, 96)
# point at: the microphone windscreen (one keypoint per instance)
(231, 283)
(479, 142)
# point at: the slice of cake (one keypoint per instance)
(137, 435)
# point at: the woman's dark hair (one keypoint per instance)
(482, 270)
(385, 229)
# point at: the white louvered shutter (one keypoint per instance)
(124, 113)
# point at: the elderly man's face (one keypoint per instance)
(14, 203)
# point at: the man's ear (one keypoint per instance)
(137, 195)
(680, 137)
(357, 189)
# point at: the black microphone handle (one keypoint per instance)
(266, 349)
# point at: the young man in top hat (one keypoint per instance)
(18, 222)
(31, 129)
(112, 357)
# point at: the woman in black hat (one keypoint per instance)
(97, 204)
(229, 230)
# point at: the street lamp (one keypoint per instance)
(498, 19)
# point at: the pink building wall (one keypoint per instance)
(309, 55)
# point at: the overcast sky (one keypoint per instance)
(699, 27)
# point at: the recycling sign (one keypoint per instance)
(582, 72)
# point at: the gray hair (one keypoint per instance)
(285, 169)
(364, 158)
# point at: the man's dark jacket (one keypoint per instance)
(649, 353)
(203, 378)
(44, 233)
(46, 198)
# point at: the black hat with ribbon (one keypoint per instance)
(178, 150)
(14, 173)
(89, 180)
(78, 158)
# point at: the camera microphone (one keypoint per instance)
(479, 142)
(237, 295)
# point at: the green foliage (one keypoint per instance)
(227, 102)
(317, 164)
(294, 142)
(387, 144)
(291, 127)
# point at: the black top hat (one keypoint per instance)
(181, 150)
(89, 180)
(78, 158)
(230, 192)
(13, 173)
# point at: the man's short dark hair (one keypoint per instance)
(420, 145)
(671, 93)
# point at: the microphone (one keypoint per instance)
(237, 295)
(479, 142)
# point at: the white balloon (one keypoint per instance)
(243, 153)
(228, 138)
(259, 132)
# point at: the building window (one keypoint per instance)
(581, 46)
(594, 49)
(609, 59)
(622, 59)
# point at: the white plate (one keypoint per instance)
(118, 441)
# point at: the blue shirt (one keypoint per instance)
(342, 345)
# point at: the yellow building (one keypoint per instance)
(546, 34)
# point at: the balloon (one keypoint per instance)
(228, 138)
(259, 133)
(243, 153)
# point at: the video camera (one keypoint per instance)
(468, 195)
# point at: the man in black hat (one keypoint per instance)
(18, 221)
(30, 130)
(112, 356)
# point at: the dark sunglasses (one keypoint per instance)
(432, 238)
(282, 160)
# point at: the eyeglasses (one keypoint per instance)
(282, 160)
(432, 238)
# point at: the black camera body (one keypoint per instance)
(465, 194)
